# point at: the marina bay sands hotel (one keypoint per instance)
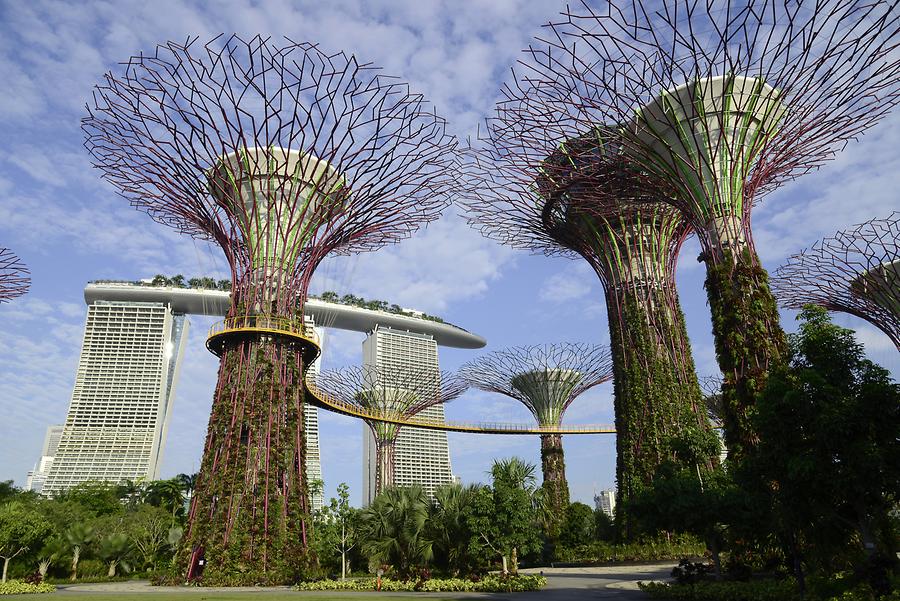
(134, 339)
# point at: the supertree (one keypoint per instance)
(14, 278)
(280, 154)
(856, 271)
(398, 393)
(546, 379)
(539, 183)
(725, 102)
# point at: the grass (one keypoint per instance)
(199, 594)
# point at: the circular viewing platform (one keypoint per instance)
(263, 327)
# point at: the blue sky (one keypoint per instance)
(70, 227)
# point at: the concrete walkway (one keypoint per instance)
(606, 582)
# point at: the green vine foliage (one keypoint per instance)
(555, 486)
(250, 510)
(657, 396)
(748, 337)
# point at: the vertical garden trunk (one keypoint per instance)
(748, 338)
(556, 488)
(385, 449)
(657, 395)
(250, 510)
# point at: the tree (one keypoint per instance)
(579, 526)
(166, 494)
(188, 483)
(224, 285)
(829, 456)
(79, 535)
(112, 549)
(393, 532)
(8, 491)
(177, 281)
(336, 528)
(506, 518)
(448, 526)
(148, 528)
(195, 283)
(160, 280)
(53, 550)
(100, 498)
(21, 527)
(329, 297)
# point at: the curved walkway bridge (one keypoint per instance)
(306, 338)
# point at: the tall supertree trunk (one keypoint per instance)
(657, 396)
(555, 486)
(385, 455)
(749, 340)
(250, 509)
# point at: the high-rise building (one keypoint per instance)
(605, 501)
(311, 429)
(122, 401)
(422, 456)
(37, 476)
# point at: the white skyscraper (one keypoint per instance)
(605, 501)
(123, 394)
(311, 428)
(422, 456)
(37, 476)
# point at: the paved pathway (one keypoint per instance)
(607, 582)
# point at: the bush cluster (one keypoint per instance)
(488, 584)
(17, 587)
(762, 590)
(645, 549)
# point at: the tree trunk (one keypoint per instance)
(251, 505)
(76, 552)
(515, 561)
(112, 568)
(556, 488)
(657, 395)
(748, 338)
(713, 543)
(5, 566)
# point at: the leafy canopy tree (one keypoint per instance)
(21, 528)
(507, 518)
(99, 498)
(579, 527)
(336, 527)
(829, 456)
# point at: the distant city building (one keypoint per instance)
(605, 501)
(122, 401)
(422, 456)
(133, 342)
(37, 476)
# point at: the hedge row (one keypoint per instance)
(489, 584)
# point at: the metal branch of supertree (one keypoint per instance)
(545, 378)
(14, 276)
(724, 102)
(398, 393)
(856, 271)
(281, 154)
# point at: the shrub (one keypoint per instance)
(17, 587)
(488, 584)
(763, 590)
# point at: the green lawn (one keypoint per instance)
(198, 595)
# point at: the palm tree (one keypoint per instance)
(188, 484)
(393, 528)
(113, 548)
(447, 523)
(516, 473)
(167, 494)
(78, 536)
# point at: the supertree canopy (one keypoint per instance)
(540, 184)
(856, 271)
(14, 278)
(724, 102)
(546, 379)
(280, 154)
(394, 393)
